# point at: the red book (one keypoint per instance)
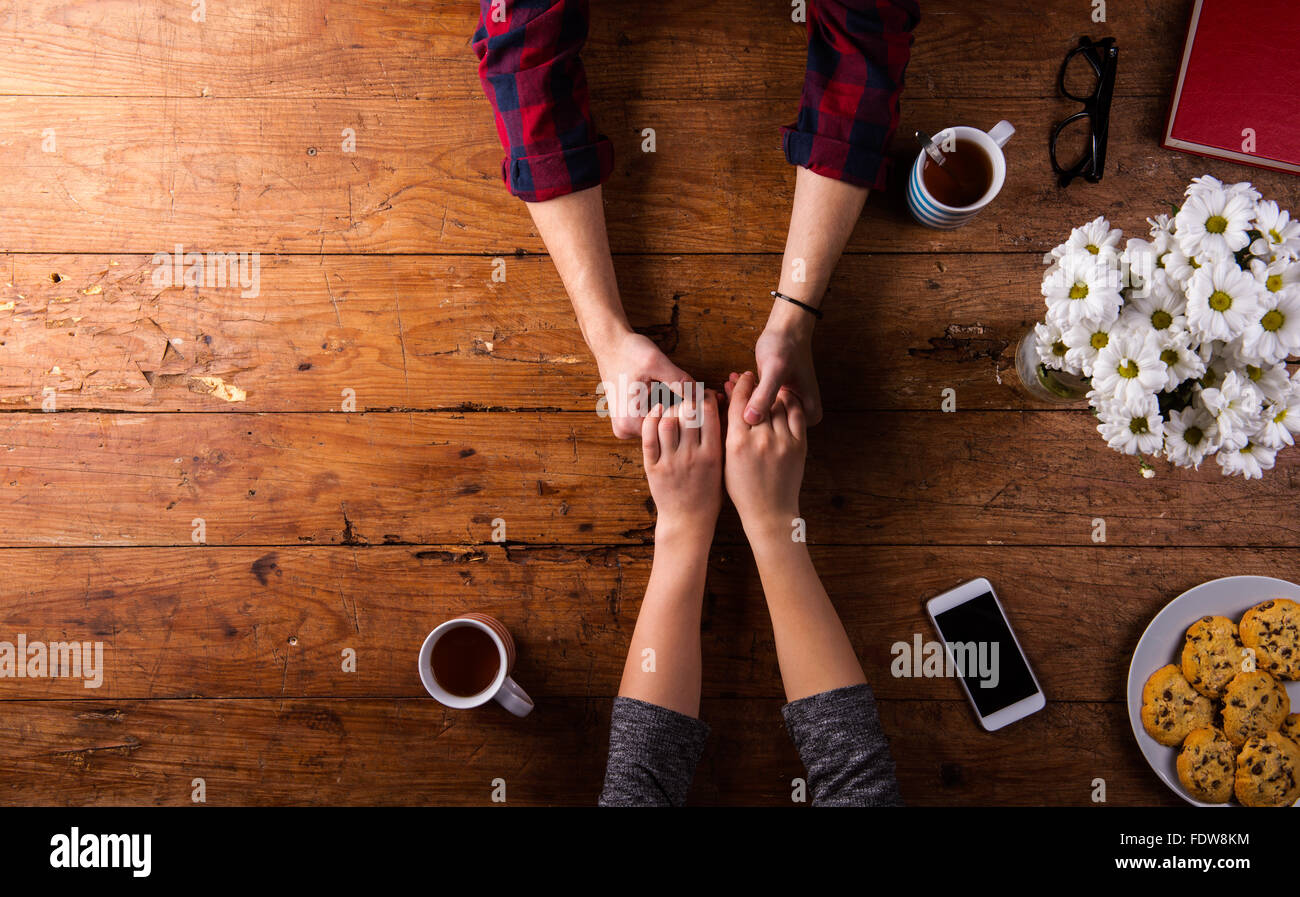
(1236, 92)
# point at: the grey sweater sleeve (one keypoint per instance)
(842, 745)
(653, 752)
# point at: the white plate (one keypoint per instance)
(1162, 644)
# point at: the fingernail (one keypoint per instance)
(752, 416)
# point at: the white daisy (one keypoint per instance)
(1161, 224)
(1132, 428)
(1208, 184)
(1085, 340)
(1280, 236)
(1277, 275)
(1129, 368)
(1190, 435)
(1273, 332)
(1081, 288)
(1281, 421)
(1138, 266)
(1249, 461)
(1217, 365)
(1221, 300)
(1052, 349)
(1215, 222)
(1235, 406)
(1269, 380)
(1160, 307)
(1182, 363)
(1180, 266)
(1097, 238)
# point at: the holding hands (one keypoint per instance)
(683, 450)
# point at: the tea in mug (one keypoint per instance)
(465, 661)
(963, 178)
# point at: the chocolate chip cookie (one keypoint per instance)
(1291, 727)
(1268, 771)
(1171, 708)
(1273, 630)
(1212, 655)
(1207, 766)
(1254, 703)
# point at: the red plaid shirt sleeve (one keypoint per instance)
(529, 65)
(857, 53)
(534, 78)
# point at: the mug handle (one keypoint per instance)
(1001, 132)
(514, 698)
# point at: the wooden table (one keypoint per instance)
(327, 532)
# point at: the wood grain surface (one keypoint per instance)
(184, 481)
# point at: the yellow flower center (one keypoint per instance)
(1216, 224)
(1099, 340)
(1128, 370)
(1193, 435)
(1161, 319)
(1093, 248)
(1079, 291)
(1220, 301)
(1253, 372)
(1169, 357)
(1274, 236)
(1059, 349)
(1138, 425)
(1274, 283)
(1272, 320)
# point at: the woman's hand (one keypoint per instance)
(682, 450)
(764, 461)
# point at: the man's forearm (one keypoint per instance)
(573, 229)
(821, 221)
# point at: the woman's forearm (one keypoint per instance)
(812, 647)
(663, 660)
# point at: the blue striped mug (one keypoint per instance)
(932, 213)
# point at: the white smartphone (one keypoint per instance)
(983, 654)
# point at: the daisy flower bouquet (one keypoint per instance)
(1180, 341)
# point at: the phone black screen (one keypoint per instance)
(996, 677)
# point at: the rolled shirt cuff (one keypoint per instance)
(543, 177)
(835, 159)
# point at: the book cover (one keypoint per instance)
(1235, 97)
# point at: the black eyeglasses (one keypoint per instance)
(1087, 64)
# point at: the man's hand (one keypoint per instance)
(626, 361)
(784, 359)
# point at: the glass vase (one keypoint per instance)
(1042, 382)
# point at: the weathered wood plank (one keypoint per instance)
(420, 50)
(144, 175)
(413, 751)
(892, 478)
(435, 332)
(253, 622)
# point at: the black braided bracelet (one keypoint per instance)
(805, 306)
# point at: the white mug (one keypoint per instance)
(504, 689)
(932, 213)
